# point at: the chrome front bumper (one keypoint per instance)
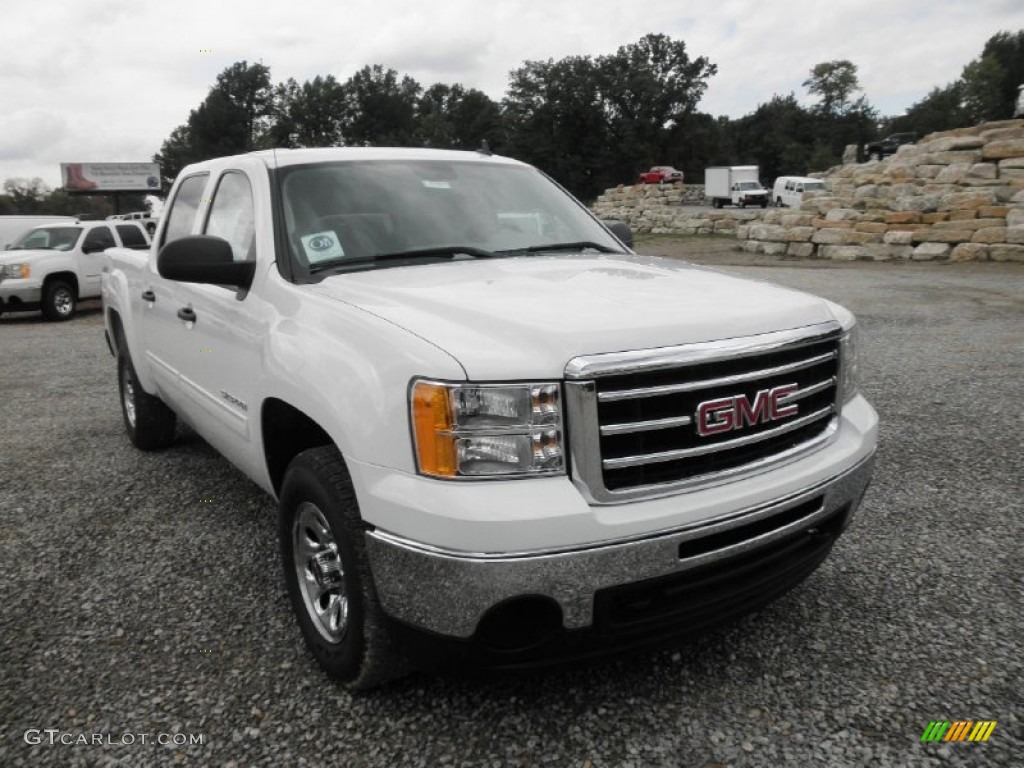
(448, 592)
(20, 291)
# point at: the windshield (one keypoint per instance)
(346, 214)
(48, 239)
(748, 185)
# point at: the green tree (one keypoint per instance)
(450, 116)
(942, 109)
(779, 136)
(834, 83)
(27, 196)
(592, 123)
(648, 88)
(1005, 71)
(556, 119)
(249, 96)
(380, 107)
(981, 90)
(234, 117)
(840, 118)
(309, 115)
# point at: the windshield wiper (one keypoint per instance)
(441, 250)
(577, 246)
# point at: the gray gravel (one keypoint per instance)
(131, 607)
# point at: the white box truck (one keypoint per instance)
(734, 185)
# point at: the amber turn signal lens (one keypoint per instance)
(432, 421)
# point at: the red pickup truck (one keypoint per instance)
(661, 173)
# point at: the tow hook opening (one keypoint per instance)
(520, 624)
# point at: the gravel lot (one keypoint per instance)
(141, 594)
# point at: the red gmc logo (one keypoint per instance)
(729, 413)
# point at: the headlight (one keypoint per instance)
(15, 271)
(848, 361)
(487, 430)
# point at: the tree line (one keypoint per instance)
(591, 122)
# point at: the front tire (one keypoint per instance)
(149, 423)
(59, 300)
(327, 572)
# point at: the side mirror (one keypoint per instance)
(93, 248)
(621, 230)
(204, 259)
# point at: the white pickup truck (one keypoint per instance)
(497, 436)
(51, 267)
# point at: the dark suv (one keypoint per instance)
(889, 145)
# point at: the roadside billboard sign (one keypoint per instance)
(111, 177)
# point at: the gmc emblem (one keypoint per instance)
(729, 413)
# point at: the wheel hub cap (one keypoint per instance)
(320, 574)
(129, 399)
(62, 302)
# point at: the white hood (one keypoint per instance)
(526, 317)
(26, 256)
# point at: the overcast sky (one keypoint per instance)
(107, 80)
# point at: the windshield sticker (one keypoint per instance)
(322, 246)
(437, 184)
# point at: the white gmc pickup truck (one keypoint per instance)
(51, 267)
(497, 436)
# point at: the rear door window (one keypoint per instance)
(131, 236)
(98, 239)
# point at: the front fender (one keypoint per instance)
(349, 371)
(116, 294)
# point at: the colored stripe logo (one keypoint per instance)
(958, 730)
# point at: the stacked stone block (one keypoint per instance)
(658, 209)
(956, 195)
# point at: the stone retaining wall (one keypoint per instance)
(956, 195)
(640, 205)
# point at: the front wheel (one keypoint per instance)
(58, 300)
(327, 572)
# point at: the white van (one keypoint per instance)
(789, 190)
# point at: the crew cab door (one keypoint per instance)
(221, 329)
(90, 259)
(156, 301)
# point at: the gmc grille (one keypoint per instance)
(764, 398)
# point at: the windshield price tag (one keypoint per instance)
(322, 246)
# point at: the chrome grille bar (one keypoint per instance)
(684, 453)
(813, 389)
(646, 426)
(692, 386)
